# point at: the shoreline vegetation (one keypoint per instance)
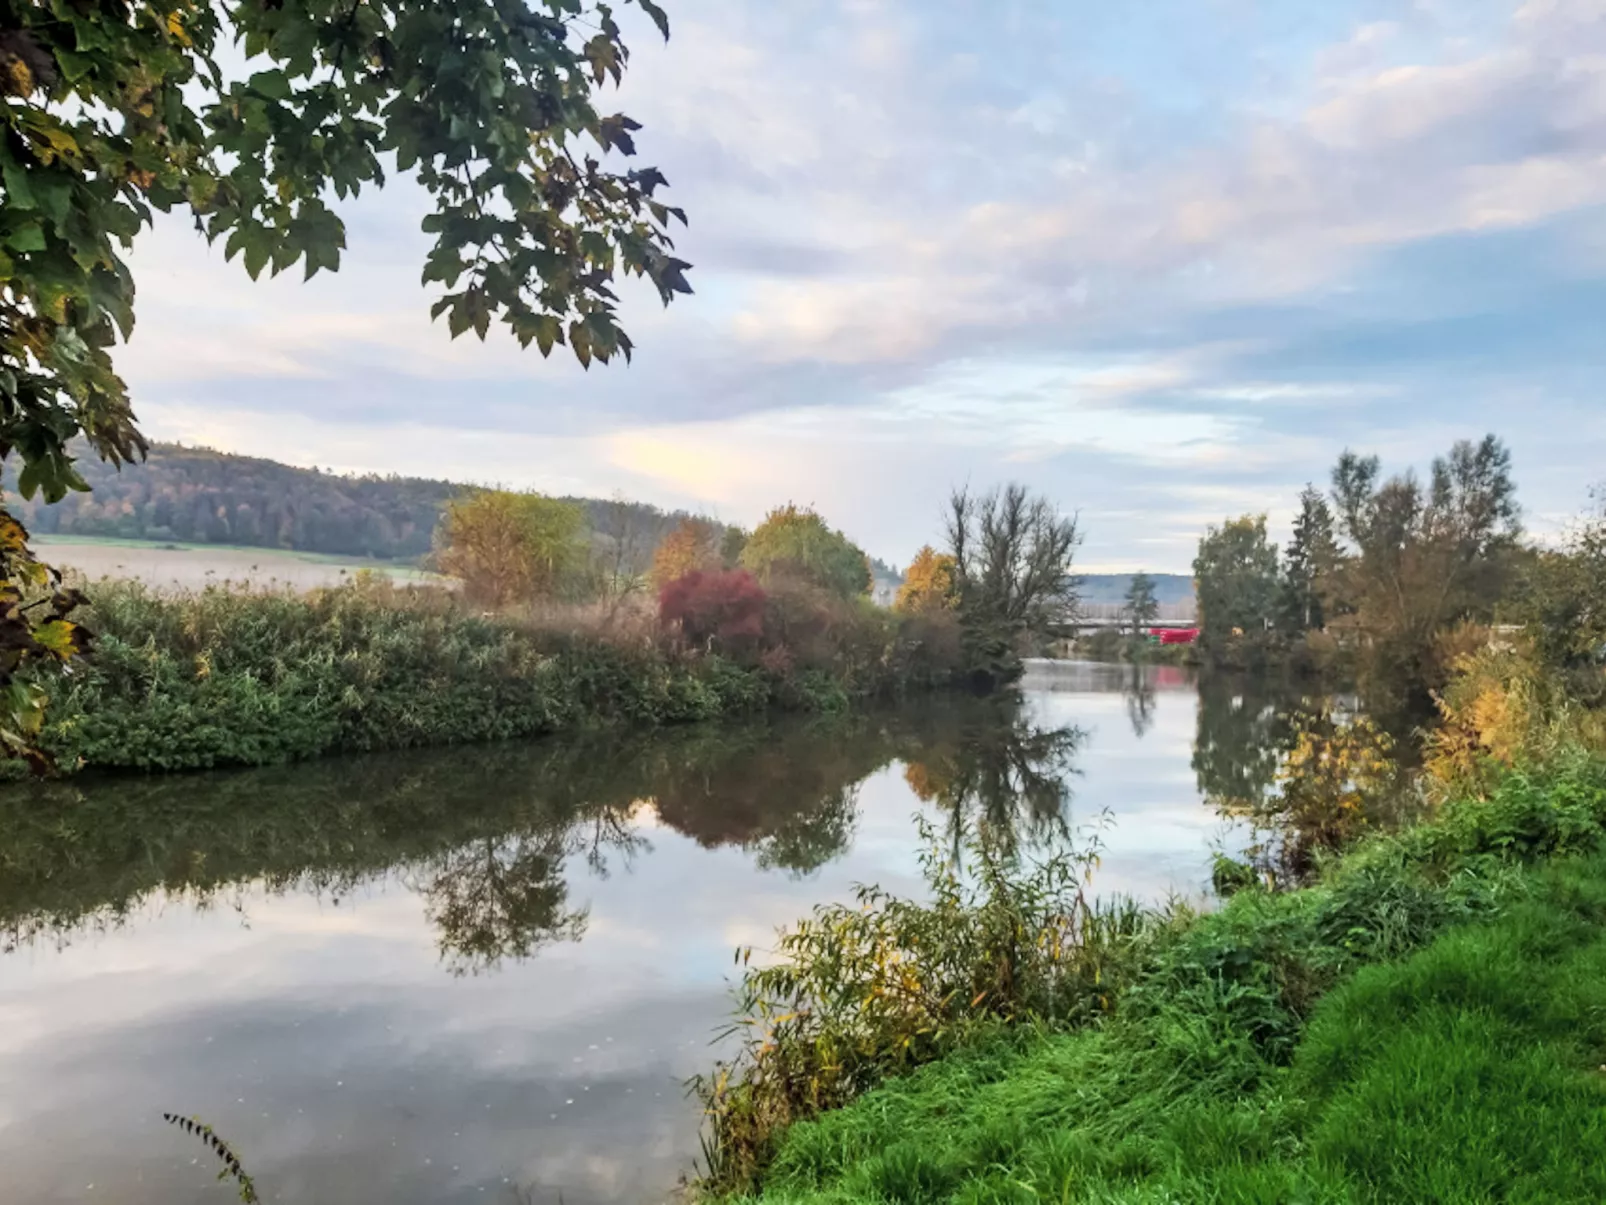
(229, 676)
(547, 628)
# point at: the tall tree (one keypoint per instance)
(1141, 606)
(1310, 563)
(929, 584)
(621, 548)
(796, 541)
(1563, 598)
(1014, 571)
(115, 110)
(1236, 582)
(1424, 558)
(692, 547)
(509, 548)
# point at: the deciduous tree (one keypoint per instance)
(1422, 559)
(693, 546)
(1014, 559)
(509, 548)
(1236, 581)
(794, 540)
(928, 585)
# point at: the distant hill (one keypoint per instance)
(196, 495)
(1112, 587)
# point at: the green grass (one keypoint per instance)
(1468, 1071)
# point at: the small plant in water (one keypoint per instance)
(225, 1153)
(858, 992)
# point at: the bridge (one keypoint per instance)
(1092, 616)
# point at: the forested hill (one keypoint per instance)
(195, 495)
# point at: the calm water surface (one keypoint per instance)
(484, 974)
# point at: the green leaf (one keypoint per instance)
(659, 17)
(25, 238)
(73, 67)
(274, 84)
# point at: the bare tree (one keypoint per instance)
(622, 550)
(1012, 575)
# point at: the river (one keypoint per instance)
(484, 974)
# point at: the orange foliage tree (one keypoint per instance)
(692, 547)
(929, 584)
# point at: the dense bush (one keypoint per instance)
(237, 677)
(723, 608)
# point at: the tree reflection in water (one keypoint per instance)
(1138, 690)
(490, 837)
(498, 899)
(1003, 778)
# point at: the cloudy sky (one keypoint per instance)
(1161, 260)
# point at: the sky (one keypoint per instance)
(1162, 262)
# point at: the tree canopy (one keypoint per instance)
(1013, 560)
(117, 110)
(1236, 579)
(692, 547)
(511, 548)
(929, 584)
(1141, 606)
(795, 540)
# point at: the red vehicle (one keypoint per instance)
(1178, 635)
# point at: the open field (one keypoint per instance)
(192, 566)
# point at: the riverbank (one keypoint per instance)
(1466, 1072)
(229, 676)
(1367, 1037)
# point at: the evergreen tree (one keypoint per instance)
(1142, 608)
(1309, 564)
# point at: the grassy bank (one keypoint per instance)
(1367, 1038)
(1467, 1072)
(235, 677)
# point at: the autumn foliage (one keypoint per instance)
(509, 548)
(929, 584)
(795, 542)
(723, 606)
(692, 547)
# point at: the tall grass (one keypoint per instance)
(1463, 1072)
(230, 676)
(1187, 1014)
(858, 992)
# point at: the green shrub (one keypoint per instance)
(237, 677)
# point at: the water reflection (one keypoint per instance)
(317, 1026)
(1004, 779)
(485, 836)
(1139, 693)
(1242, 736)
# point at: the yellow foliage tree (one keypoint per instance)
(796, 540)
(929, 584)
(693, 545)
(508, 547)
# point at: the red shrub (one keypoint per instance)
(724, 606)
